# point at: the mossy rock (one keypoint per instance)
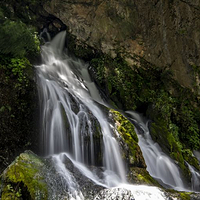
(23, 178)
(127, 131)
(141, 176)
(181, 195)
(185, 195)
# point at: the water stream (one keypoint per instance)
(66, 93)
(159, 165)
(195, 178)
(74, 126)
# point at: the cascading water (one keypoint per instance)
(65, 96)
(159, 165)
(195, 178)
(73, 126)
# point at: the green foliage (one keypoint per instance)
(12, 193)
(189, 128)
(164, 104)
(16, 68)
(180, 112)
(99, 65)
(170, 142)
(3, 108)
(132, 85)
(119, 78)
(18, 40)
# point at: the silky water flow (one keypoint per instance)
(159, 165)
(73, 125)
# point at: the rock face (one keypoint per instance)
(165, 33)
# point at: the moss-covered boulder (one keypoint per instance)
(127, 132)
(131, 151)
(23, 179)
(139, 175)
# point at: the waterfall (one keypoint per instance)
(195, 178)
(159, 165)
(75, 132)
(69, 111)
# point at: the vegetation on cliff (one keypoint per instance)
(18, 45)
(151, 90)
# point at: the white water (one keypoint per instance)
(70, 183)
(65, 83)
(195, 178)
(159, 165)
(68, 108)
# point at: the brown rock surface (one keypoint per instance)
(166, 32)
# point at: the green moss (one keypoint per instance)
(141, 176)
(25, 172)
(127, 132)
(185, 195)
(125, 127)
(146, 178)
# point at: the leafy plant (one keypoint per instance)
(16, 67)
(17, 39)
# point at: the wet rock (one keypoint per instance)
(114, 193)
(129, 140)
(86, 186)
(32, 177)
(195, 196)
